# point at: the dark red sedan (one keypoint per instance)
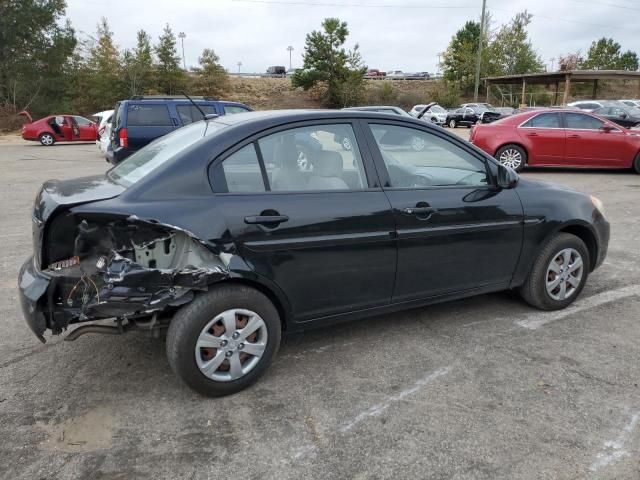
(560, 138)
(60, 128)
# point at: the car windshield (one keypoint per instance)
(147, 159)
(438, 109)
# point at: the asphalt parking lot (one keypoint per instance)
(484, 388)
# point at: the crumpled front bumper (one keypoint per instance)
(33, 285)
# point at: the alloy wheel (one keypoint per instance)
(46, 139)
(511, 158)
(231, 345)
(564, 274)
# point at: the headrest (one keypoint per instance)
(286, 154)
(328, 164)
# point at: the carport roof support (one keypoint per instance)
(550, 78)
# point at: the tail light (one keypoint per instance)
(124, 140)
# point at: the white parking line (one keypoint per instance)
(537, 320)
(378, 408)
(613, 450)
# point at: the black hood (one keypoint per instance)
(66, 193)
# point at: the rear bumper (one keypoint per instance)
(116, 156)
(33, 286)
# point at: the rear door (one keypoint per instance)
(325, 235)
(545, 139)
(589, 145)
(87, 129)
(146, 121)
(456, 231)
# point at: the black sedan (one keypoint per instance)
(215, 233)
(468, 116)
(622, 115)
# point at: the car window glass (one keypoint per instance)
(544, 120)
(231, 109)
(82, 120)
(189, 113)
(314, 158)
(582, 122)
(139, 115)
(239, 172)
(417, 159)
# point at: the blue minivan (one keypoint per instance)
(139, 120)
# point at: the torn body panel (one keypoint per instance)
(113, 266)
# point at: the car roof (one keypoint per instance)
(371, 107)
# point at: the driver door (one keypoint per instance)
(455, 230)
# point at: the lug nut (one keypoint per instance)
(228, 354)
(241, 346)
(223, 343)
(235, 335)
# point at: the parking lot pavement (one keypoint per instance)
(484, 388)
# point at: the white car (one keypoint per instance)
(103, 120)
(631, 102)
(395, 74)
(434, 113)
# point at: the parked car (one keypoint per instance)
(374, 72)
(260, 248)
(277, 71)
(622, 115)
(433, 113)
(104, 129)
(395, 74)
(561, 138)
(99, 117)
(592, 105)
(631, 103)
(60, 128)
(142, 119)
(470, 115)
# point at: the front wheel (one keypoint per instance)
(47, 139)
(452, 123)
(558, 274)
(513, 156)
(224, 340)
(636, 163)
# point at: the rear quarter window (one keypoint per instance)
(139, 115)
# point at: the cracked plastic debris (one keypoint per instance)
(131, 267)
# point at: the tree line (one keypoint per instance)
(46, 68)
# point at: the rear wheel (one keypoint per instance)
(224, 340)
(636, 163)
(513, 156)
(47, 139)
(558, 274)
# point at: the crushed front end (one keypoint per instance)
(110, 266)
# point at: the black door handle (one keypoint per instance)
(265, 219)
(419, 210)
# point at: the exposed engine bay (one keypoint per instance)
(123, 267)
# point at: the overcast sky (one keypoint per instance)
(393, 34)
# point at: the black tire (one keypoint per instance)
(452, 123)
(189, 321)
(519, 149)
(534, 290)
(636, 163)
(46, 139)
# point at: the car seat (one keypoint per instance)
(327, 172)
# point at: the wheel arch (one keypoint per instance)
(585, 234)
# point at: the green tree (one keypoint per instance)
(459, 60)
(103, 64)
(138, 65)
(511, 52)
(210, 77)
(327, 62)
(36, 46)
(606, 54)
(170, 77)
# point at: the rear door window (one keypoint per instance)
(140, 115)
(240, 172)
(231, 109)
(544, 120)
(189, 113)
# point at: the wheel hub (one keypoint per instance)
(564, 274)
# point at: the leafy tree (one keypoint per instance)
(104, 67)
(138, 65)
(210, 77)
(570, 61)
(35, 50)
(511, 52)
(606, 54)
(459, 61)
(171, 78)
(327, 62)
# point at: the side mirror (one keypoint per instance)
(607, 128)
(507, 177)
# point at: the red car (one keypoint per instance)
(562, 138)
(60, 128)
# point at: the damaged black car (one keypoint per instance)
(217, 236)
